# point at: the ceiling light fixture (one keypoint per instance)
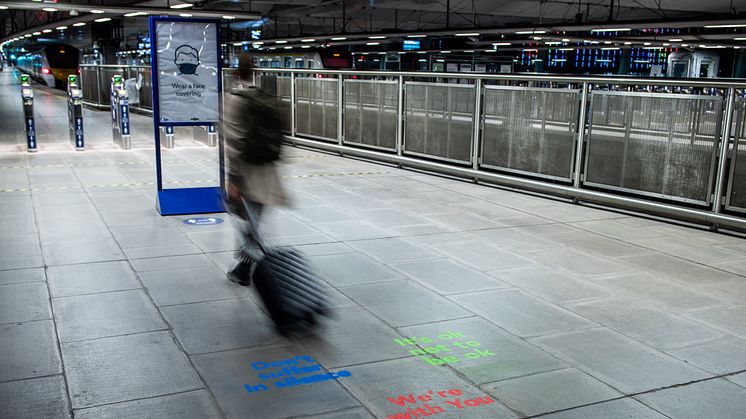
(60, 28)
(229, 17)
(340, 38)
(181, 6)
(377, 37)
(500, 44)
(36, 33)
(308, 40)
(372, 43)
(417, 36)
(281, 42)
(103, 19)
(49, 9)
(97, 11)
(735, 25)
(468, 34)
(610, 30)
(186, 14)
(675, 40)
(49, 30)
(530, 32)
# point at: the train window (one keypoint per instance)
(59, 59)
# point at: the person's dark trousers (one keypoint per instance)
(250, 249)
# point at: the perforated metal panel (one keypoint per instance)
(439, 120)
(736, 198)
(370, 113)
(530, 130)
(652, 144)
(316, 107)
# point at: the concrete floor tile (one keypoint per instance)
(351, 336)
(162, 251)
(215, 241)
(24, 302)
(579, 262)
(91, 278)
(320, 249)
(739, 379)
(605, 247)
(513, 240)
(388, 218)
(190, 405)
(220, 325)
(83, 251)
(502, 355)
(687, 249)
(735, 266)
(727, 319)
(18, 246)
(352, 268)
(73, 230)
(147, 236)
(661, 292)
(551, 391)
(462, 221)
(36, 398)
(678, 269)
(646, 324)
(623, 408)
(521, 313)
(226, 374)
(170, 262)
(713, 398)
(28, 350)
(122, 368)
(18, 276)
(321, 214)
(719, 357)
(395, 250)
(385, 388)
(192, 285)
(108, 314)
(356, 413)
(635, 367)
(552, 285)
(482, 257)
(404, 303)
(353, 230)
(447, 277)
(18, 224)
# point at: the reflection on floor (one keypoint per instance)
(450, 299)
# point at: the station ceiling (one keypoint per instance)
(302, 18)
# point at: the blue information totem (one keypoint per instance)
(187, 91)
(75, 112)
(27, 94)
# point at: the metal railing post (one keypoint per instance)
(475, 137)
(400, 116)
(581, 135)
(293, 130)
(340, 114)
(724, 147)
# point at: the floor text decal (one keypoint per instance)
(458, 348)
(432, 403)
(292, 372)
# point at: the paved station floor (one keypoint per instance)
(450, 299)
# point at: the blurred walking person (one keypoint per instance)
(252, 124)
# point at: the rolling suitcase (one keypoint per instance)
(290, 290)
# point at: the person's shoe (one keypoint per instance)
(241, 274)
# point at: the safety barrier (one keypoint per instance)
(96, 83)
(653, 145)
(650, 145)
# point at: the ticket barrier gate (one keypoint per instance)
(75, 112)
(167, 136)
(206, 134)
(27, 94)
(120, 113)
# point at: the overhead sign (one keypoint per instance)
(188, 77)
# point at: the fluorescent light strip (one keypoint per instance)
(675, 40)
(98, 11)
(340, 38)
(377, 37)
(281, 42)
(610, 49)
(417, 36)
(501, 44)
(49, 9)
(610, 30)
(372, 43)
(59, 28)
(181, 6)
(308, 40)
(103, 19)
(735, 25)
(467, 34)
(530, 32)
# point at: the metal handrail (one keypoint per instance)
(715, 83)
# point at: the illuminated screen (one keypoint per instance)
(410, 45)
(256, 34)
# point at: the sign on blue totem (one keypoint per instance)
(125, 111)
(79, 132)
(30, 134)
(187, 90)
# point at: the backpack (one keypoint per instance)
(264, 139)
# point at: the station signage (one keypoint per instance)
(188, 75)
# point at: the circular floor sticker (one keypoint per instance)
(202, 221)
